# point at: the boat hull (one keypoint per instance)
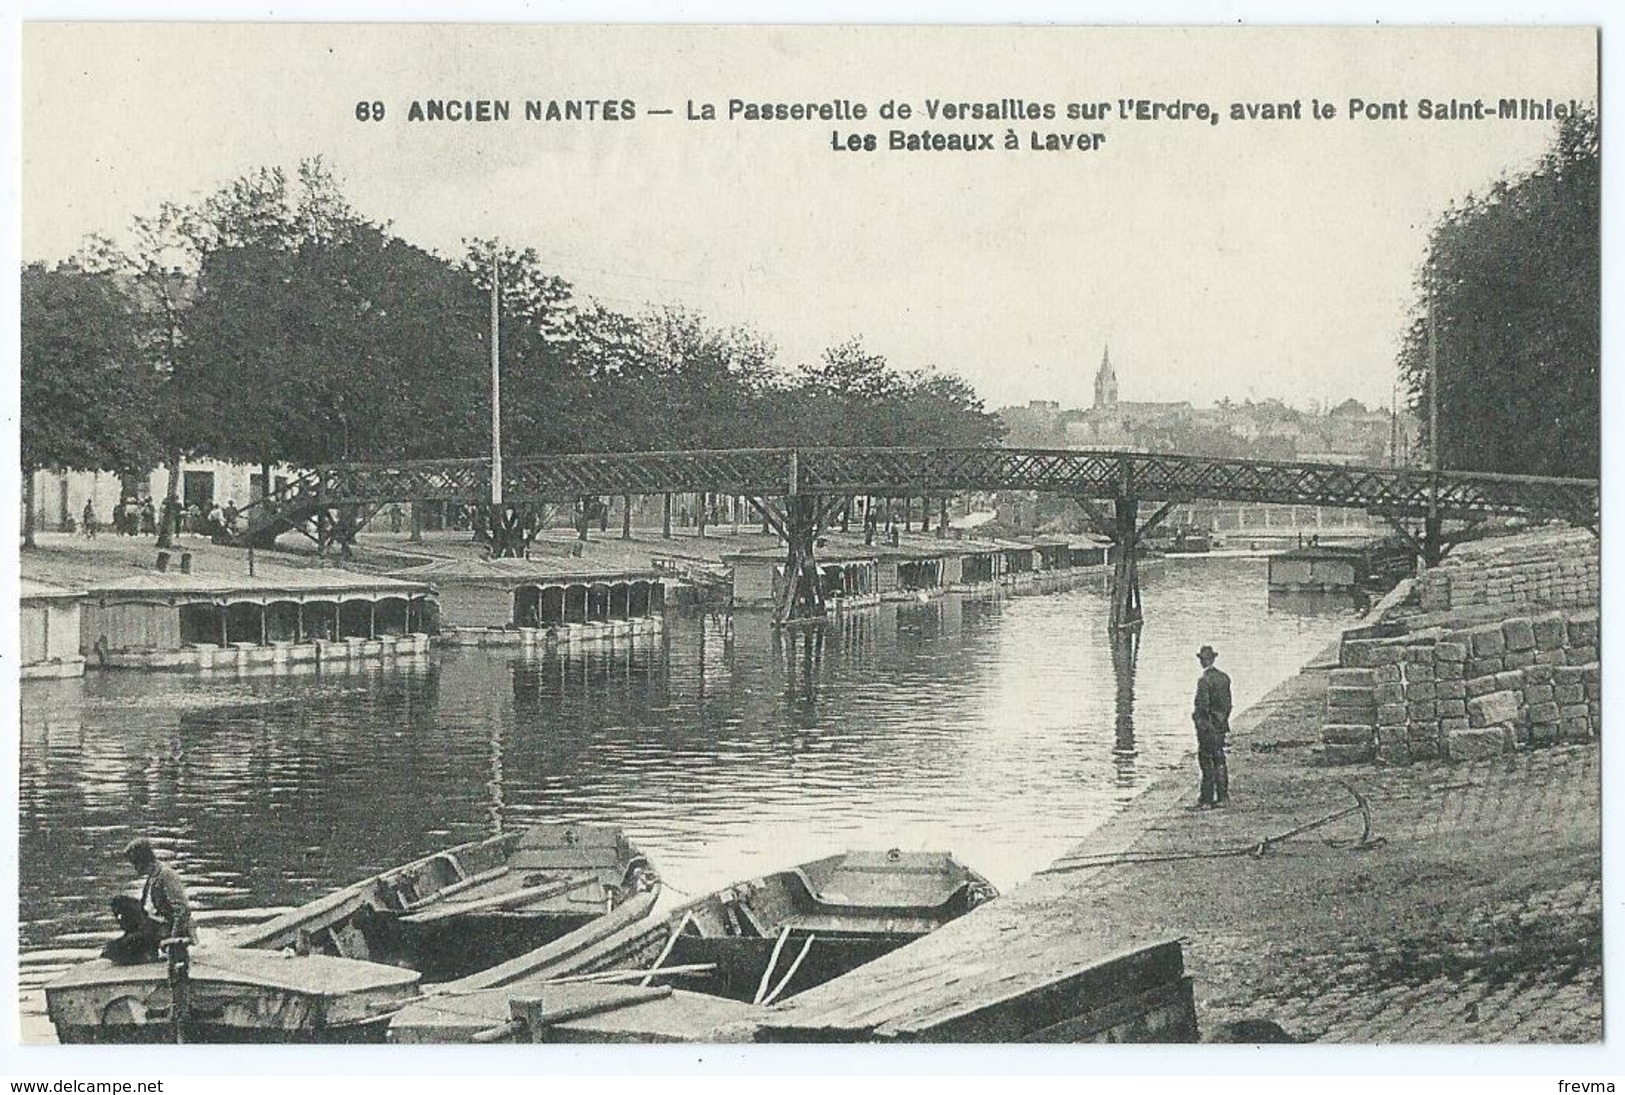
(739, 963)
(338, 968)
(463, 910)
(233, 995)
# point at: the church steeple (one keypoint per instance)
(1105, 382)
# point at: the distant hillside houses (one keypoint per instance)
(1349, 433)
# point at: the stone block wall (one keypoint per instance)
(1549, 569)
(1465, 693)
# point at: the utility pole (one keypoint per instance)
(1432, 533)
(1433, 386)
(1393, 425)
(496, 384)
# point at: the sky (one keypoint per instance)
(1247, 259)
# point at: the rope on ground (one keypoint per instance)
(1256, 850)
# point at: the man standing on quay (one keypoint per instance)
(1212, 718)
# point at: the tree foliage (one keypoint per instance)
(88, 392)
(1515, 280)
(273, 323)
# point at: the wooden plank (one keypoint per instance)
(561, 1003)
(679, 1017)
(605, 940)
(468, 883)
(1011, 1015)
(522, 896)
(1165, 1014)
(870, 1006)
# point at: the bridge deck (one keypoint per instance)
(1398, 492)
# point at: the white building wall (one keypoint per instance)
(60, 495)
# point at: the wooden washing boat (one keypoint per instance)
(1189, 541)
(445, 915)
(753, 942)
(233, 995)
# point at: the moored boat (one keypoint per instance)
(754, 942)
(1189, 540)
(232, 994)
(337, 967)
(772, 937)
(465, 909)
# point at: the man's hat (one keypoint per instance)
(1207, 652)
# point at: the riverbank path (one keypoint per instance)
(1472, 916)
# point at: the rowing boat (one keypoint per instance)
(338, 967)
(470, 907)
(774, 936)
(754, 942)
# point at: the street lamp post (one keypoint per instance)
(496, 387)
(1432, 532)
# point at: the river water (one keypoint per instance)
(1002, 728)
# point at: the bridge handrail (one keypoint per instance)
(896, 470)
(965, 450)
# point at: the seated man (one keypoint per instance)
(141, 937)
(163, 895)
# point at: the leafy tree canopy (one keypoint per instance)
(271, 322)
(1514, 276)
(87, 389)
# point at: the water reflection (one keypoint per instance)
(1125, 645)
(1003, 728)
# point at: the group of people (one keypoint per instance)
(137, 517)
(131, 517)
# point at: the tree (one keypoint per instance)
(544, 393)
(87, 394)
(354, 347)
(711, 383)
(161, 265)
(282, 326)
(1514, 278)
(159, 268)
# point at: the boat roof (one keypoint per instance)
(1323, 551)
(828, 553)
(31, 590)
(524, 571)
(311, 581)
(314, 974)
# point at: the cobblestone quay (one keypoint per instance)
(1474, 916)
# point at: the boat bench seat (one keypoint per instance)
(834, 924)
(571, 860)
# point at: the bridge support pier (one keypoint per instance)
(799, 520)
(1121, 525)
(1431, 543)
(510, 530)
(1126, 608)
(1433, 546)
(338, 525)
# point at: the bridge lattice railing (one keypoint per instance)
(893, 471)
